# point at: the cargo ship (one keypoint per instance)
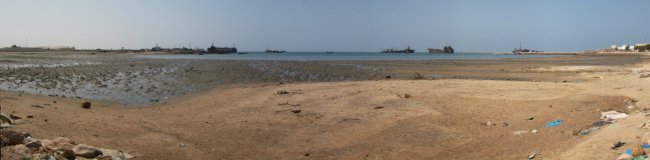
(524, 50)
(221, 50)
(446, 49)
(392, 50)
(274, 51)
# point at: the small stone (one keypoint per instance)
(5, 125)
(33, 144)
(5, 119)
(534, 131)
(281, 92)
(505, 124)
(532, 155)
(86, 151)
(58, 143)
(182, 145)
(10, 137)
(488, 123)
(114, 154)
(20, 149)
(13, 116)
(85, 105)
(67, 153)
(407, 95)
(295, 110)
(519, 132)
(30, 116)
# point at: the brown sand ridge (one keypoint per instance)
(374, 119)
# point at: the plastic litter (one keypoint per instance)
(612, 115)
(554, 123)
(600, 123)
(618, 144)
(532, 155)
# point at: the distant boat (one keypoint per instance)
(391, 50)
(274, 51)
(221, 50)
(524, 50)
(329, 52)
(446, 49)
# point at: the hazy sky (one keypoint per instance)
(318, 25)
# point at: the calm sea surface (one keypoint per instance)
(338, 56)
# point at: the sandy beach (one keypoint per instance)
(430, 109)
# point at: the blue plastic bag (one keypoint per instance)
(554, 123)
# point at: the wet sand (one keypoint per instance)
(352, 113)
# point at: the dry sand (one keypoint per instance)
(440, 119)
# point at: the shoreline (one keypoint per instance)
(355, 112)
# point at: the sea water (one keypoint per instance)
(337, 56)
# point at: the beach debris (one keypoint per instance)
(643, 125)
(37, 106)
(624, 157)
(5, 119)
(532, 155)
(505, 124)
(387, 77)
(182, 145)
(85, 105)
(534, 131)
(617, 145)
(530, 118)
(638, 150)
(519, 132)
(612, 115)
(488, 123)
(407, 95)
(86, 151)
(584, 132)
(30, 116)
(630, 103)
(600, 123)
(281, 92)
(554, 123)
(378, 107)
